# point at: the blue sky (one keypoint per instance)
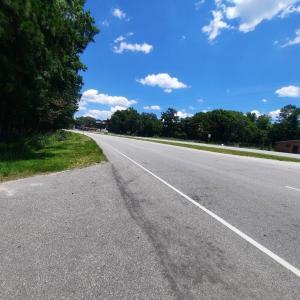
(193, 56)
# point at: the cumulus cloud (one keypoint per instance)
(182, 114)
(93, 96)
(152, 107)
(256, 112)
(164, 81)
(118, 13)
(293, 41)
(82, 105)
(289, 91)
(121, 45)
(98, 114)
(252, 13)
(274, 114)
(247, 13)
(264, 100)
(103, 114)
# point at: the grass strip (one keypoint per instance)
(45, 153)
(224, 151)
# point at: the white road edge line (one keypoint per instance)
(244, 236)
(292, 188)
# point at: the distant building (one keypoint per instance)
(292, 146)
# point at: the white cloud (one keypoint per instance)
(274, 114)
(164, 81)
(124, 46)
(103, 114)
(183, 114)
(252, 13)
(93, 96)
(98, 114)
(291, 9)
(257, 112)
(216, 25)
(152, 107)
(82, 105)
(118, 13)
(264, 100)
(289, 91)
(117, 107)
(200, 100)
(294, 41)
(247, 14)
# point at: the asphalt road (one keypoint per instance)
(156, 222)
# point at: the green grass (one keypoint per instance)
(222, 150)
(51, 152)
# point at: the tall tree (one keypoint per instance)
(287, 126)
(170, 122)
(40, 47)
(150, 125)
(125, 122)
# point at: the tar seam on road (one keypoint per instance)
(244, 236)
(292, 188)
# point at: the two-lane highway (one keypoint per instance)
(154, 222)
(243, 238)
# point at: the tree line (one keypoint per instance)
(40, 46)
(219, 126)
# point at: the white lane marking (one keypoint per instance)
(244, 236)
(292, 188)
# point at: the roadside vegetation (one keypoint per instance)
(218, 126)
(41, 43)
(49, 152)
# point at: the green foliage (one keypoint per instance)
(150, 125)
(125, 122)
(85, 122)
(40, 47)
(45, 153)
(219, 126)
(287, 126)
(170, 122)
(130, 122)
